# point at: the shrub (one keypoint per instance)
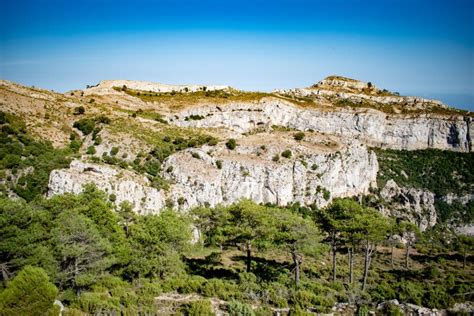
(286, 154)
(114, 151)
(29, 293)
(98, 140)
(212, 141)
(198, 308)
(392, 310)
(195, 155)
(278, 295)
(231, 144)
(298, 136)
(303, 299)
(276, 158)
(410, 292)
(90, 150)
(437, 297)
(236, 308)
(98, 303)
(383, 292)
(219, 288)
(79, 110)
(86, 126)
(191, 284)
(314, 167)
(219, 164)
(112, 197)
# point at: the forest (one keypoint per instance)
(100, 259)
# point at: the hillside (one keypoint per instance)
(214, 151)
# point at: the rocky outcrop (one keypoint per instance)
(316, 173)
(372, 127)
(310, 176)
(414, 205)
(125, 185)
(108, 85)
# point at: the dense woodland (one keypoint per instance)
(100, 258)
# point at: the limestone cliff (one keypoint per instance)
(316, 173)
(375, 128)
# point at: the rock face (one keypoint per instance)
(125, 185)
(219, 176)
(309, 177)
(414, 205)
(372, 127)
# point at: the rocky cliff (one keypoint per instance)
(316, 172)
(341, 119)
(375, 128)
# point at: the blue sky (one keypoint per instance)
(415, 47)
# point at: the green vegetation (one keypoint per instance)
(298, 136)
(25, 163)
(438, 171)
(286, 153)
(231, 144)
(29, 293)
(106, 260)
(79, 110)
(396, 108)
(91, 150)
(182, 99)
(88, 125)
(164, 141)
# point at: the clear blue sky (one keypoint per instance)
(414, 47)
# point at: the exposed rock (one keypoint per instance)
(414, 205)
(370, 126)
(106, 86)
(249, 172)
(315, 173)
(126, 185)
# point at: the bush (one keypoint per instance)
(410, 292)
(219, 164)
(29, 293)
(383, 292)
(298, 136)
(98, 303)
(437, 297)
(231, 144)
(191, 284)
(278, 295)
(91, 150)
(98, 140)
(79, 110)
(286, 154)
(276, 158)
(195, 155)
(86, 126)
(198, 308)
(303, 299)
(219, 288)
(114, 151)
(236, 308)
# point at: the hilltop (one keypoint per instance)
(163, 186)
